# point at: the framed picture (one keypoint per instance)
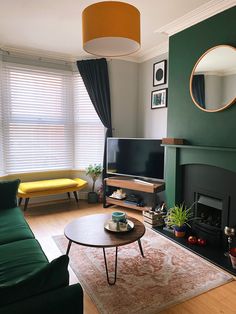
(159, 73)
(159, 98)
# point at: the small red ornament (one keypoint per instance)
(201, 242)
(192, 240)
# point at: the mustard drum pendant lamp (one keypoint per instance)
(111, 29)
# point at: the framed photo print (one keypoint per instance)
(159, 73)
(159, 98)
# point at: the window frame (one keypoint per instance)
(7, 119)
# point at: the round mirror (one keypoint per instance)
(213, 79)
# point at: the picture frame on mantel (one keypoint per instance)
(159, 98)
(159, 73)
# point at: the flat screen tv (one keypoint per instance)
(135, 157)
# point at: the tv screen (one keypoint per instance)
(142, 158)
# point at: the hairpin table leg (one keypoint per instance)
(105, 260)
(140, 247)
(68, 248)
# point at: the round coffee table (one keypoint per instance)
(90, 231)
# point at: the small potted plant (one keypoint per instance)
(94, 171)
(178, 217)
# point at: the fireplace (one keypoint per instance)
(209, 215)
(209, 210)
(211, 190)
(205, 177)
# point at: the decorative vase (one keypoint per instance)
(92, 197)
(180, 231)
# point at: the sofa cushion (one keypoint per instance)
(51, 276)
(13, 226)
(19, 259)
(66, 300)
(47, 185)
(8, 192)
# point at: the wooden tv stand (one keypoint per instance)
(131, 184)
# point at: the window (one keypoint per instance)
(1, 124)
(42, 128)
(89, 131)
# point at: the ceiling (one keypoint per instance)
(53, 27)
(221, 61)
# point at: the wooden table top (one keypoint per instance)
(89, 231)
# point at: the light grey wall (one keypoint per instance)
(123, 76)
(151, 123)
(229, 88)
(219, 90)
(213, 91)
(131, 85)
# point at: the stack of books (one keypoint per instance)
(134, 199)
(153, 219)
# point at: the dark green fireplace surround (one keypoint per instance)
(211, 136)
(181, 155)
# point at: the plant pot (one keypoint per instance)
(92, 197)
(180, 231)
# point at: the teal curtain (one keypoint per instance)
(198, 89)
(94, 73)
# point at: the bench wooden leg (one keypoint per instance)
(68, 193)
(76, 197)
(20, 201)
(26, 203)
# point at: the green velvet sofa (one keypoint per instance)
(28, 282)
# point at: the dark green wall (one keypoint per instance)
(185, 120)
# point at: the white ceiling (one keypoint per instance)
(53, 27)
(221, 60)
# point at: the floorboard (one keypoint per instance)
(47, 220)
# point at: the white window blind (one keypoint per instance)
(1, 122)
(89, 130)
(37, 119)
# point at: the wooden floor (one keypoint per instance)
(48, 220)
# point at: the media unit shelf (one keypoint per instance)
(131, 184)
(112, 201)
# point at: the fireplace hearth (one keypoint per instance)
(214, 254)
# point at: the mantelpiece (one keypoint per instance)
(180, 155)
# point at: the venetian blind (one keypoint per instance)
(37, 117)
(89, 131)
(1, 122)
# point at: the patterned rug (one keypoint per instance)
(169, 274)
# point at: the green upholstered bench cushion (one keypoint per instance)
(8, 192)
(13, 226)
(49, 277)
(19, 259)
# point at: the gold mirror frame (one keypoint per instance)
(191, 79)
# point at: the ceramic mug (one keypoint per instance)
(118, 216)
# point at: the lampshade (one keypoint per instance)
(111, 28)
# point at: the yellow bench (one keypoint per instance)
(49, 187)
